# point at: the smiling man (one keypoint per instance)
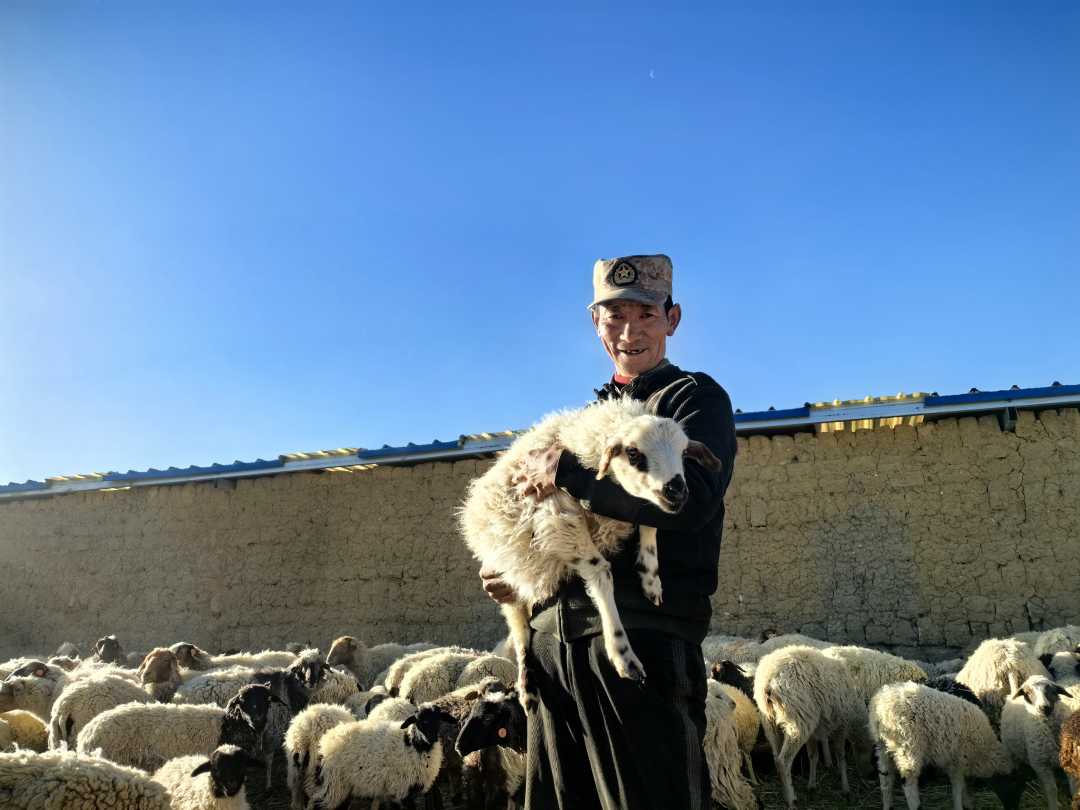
(598, 740)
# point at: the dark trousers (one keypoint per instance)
(599, 742)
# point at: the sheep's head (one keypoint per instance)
(1062, 664)
(497, 718)
(423, 726)
(310, 668)
(646, 458)
(35, 669)
(226, 767)
(1040, 694)
(109, 651)
(251, 705)
(342, 651)
(189, 656)
(729, 672)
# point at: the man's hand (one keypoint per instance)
(534, 473)
(496, 588)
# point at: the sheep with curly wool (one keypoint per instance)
(65, 779)
(1069, 755)
(369, 759)
(486, 666)
(539, 544)
(1064, 667)
(190, 656)
(392, 677)
(804, 695)
(84, 700)
(1059, 639)
(873, 669)
(147, 735)
(215, 687)
(30, 693)
(1031, 721)
(336, 686)
(913, 727)
(26, 730)
(395, 709)
(302, 746)
(208, 783)
(722, 751)
(996, 669)
(366, 662)
(718, 647)
(434, 676)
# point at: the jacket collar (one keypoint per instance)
(641, 384)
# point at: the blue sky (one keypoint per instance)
(236, 230)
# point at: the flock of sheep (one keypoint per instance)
(420, 725)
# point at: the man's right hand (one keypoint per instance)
(496, 588)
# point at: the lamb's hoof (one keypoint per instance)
(633, 671)
(656, 598)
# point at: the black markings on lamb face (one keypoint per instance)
(637, 459)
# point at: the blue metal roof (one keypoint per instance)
(481, 444)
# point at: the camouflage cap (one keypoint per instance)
(646, 279)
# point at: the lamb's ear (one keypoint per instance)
(1046, 658)
(1020, 692)
(610, 452)
(202, 767)
(408, 721)
(701, 453)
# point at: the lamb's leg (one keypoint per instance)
(648, 565)
(517, 619)
(886, 777)
(826, 752)
(812, 754)
(1049, 786)
(841, 761)
(771, 735)
(911, 791)
(596, 572)
(956, 778)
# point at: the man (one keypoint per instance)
(598, 740)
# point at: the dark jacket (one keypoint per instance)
(688, 543)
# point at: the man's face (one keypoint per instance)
(634, 335)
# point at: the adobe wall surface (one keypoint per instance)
(906, 537)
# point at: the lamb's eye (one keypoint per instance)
(632, 455)
(637, 459)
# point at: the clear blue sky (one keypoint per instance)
(235, 230)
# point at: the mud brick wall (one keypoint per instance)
(924, 536)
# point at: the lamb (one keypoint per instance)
(1069, 757)
(84, 700)
(246, 722)
(1060, 639)
(872, 669)
(396, 672)
(147, 735)
(1063, 666)
(391, 710)
(803, 695)
(159, 673)
(487, 666)
(217, 783)
(337, 686)
(492, 743)
(722, 752)
(914, 726)
(302, 745)
(365, 662)
(379, 760)
(1030, 722)
(192, 657)
(65, 779)
(747, 724)
(996, 669)
(434, 676)
(107, 650)
(539, 544)
(25, 730)
(215, 687)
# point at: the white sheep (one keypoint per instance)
(723, 753)
(1063, 666)
(366, 662)
(872, 669)
(434, 676)
(395, 709)
(215, 687)
(26, 730)
(747, 723)
(717, 647)
(379, 760)
(487, 666)
(1059, 639)
(537, 545)
(30, 694)
(392, 677)
(914, 726)
(65, 779)
(804, 695)
(1031, 722)
(208, 783)
(147, 735)
(336, 686)
(996, 669)
(302, 746)
(192, 657)
(84, 700)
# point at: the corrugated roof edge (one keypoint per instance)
(468, 446)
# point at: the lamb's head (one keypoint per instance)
(251, 705)
(1040, 694)
(646, 459)
(109, 651)
(226, 767)
(422, 728)
(189, 656)
(497, 718)
(343, 652)
(1062, 664)
(310, 668)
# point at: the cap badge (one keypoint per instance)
(623, 274)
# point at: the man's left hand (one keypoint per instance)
(534, 473)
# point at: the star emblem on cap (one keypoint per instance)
(623, 274)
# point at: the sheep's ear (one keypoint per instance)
(202, 767)
(409, 721)
(610, 452)
(701, 453)
(1060, 690)
(1046, 658)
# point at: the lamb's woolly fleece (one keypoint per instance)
(434, 676)
(873, 669)
(1060, 639)
(27, 730)
(64, 779)
(747, 720)
(84, 700)
(147, 735)
(1029, 736)
(397, 671)
(302, 746)
(216, 687)
(734, 648)
(195, 792)
(393, 709)
(722, 753)
(30, 694)
(337, 686)
(996, 668)
(486, 666)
